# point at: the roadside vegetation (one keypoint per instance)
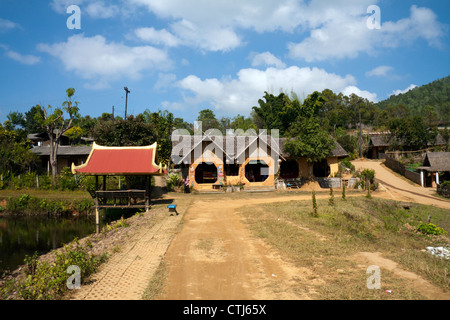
(325, 237)
(47, 280)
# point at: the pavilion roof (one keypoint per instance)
(120, 161)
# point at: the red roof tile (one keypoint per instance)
(120, 161)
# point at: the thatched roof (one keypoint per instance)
(63, 150)
(436, 162)
(382, 140)
(338, 151)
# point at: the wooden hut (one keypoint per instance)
(435, 168)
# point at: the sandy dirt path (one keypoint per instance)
(399, 188)
(215, 257)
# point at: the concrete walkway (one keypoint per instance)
(127, 273)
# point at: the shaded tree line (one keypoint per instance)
(314, 124)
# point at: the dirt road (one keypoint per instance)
(215, 257)
(399, 188)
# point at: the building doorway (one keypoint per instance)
(289, 169)
(321, 169)
(206, 173)
(256, 171)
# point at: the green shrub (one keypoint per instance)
(48, 281)
(445, 184)
(429, 228)
(45, 182)
(67, 181)
(347, 164)
(174, 180)
(83, 206)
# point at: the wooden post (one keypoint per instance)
(421, 178)
(147, 193)
(97, 218)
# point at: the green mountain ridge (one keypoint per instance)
(432, 96)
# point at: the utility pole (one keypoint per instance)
(113, 118)
(360, 130)
(126, 101)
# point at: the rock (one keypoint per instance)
(440, 252)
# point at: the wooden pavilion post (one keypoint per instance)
(147, 192)
(97, 220)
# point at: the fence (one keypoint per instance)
(400, 168)
(443, 191)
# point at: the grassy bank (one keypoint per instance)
(327, 244)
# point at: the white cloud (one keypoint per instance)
(6, 25)
(361, 93)
(61, 6)
(23, 59)
(237, 95)
(380, 71)
(100, 62)
(266, 59)
(99, 9)
(397, 92)
(344, 34)
(214, 25)
(158, 37)
(94, 8)
(208, 39)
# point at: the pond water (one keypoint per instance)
(21, 236)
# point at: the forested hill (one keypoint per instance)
(435, 94)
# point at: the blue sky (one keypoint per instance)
(184, 56)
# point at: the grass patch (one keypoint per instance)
(325, 244)
(156, 285)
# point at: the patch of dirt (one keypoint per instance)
(418, 283)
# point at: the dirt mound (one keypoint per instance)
(311, 186)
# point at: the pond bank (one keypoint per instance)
(28, 205)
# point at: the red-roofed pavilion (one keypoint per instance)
(121, 161)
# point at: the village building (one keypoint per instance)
(66, 155)
(435, 169)
(379, 144)
(215, 161)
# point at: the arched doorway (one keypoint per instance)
(206, 173)
(256, 171)
(321, 169)
(289, 169)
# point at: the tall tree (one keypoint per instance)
(410, 133)
(56, 125)
(134, 131)
(310, 139)
(208, 119)
(15, 154)
(277, 112)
